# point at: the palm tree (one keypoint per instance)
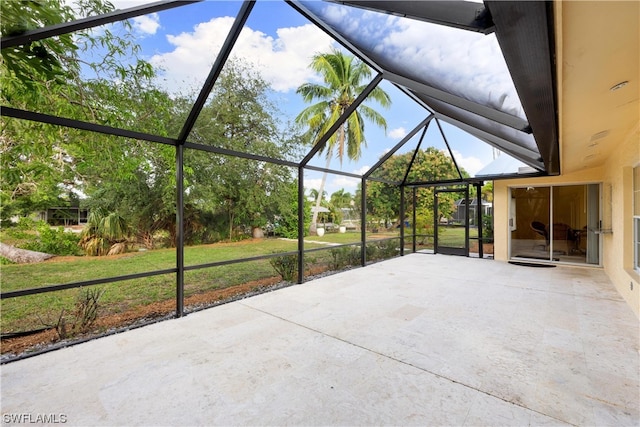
(315, 194)
(343, 77)
(341, 198)
(105, 233)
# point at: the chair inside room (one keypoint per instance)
(541, 230)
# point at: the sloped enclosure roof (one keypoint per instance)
(508, 44)
(515, 114)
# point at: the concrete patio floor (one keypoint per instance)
(417, 340)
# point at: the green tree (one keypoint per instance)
(70, 76)
(29, 67)
(341, 199)
(487, 191)
(343, 77)
(315, 194)
(287, 219)
(240, 117)
(431, 164)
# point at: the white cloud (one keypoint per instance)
(348, 183)
(363, 169)
(147, 24)
(345, 182)
(312, 183)
(465, 63)
(282, 61)
(398, 133)
(470, 164)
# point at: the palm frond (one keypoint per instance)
(380, 96)
(359, 72)
(313, 91)
(329, 68)
(373, 116)
(312, 111)
(356, 139)
(114, 227)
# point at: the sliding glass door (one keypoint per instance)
(557, 223)
(528, 222)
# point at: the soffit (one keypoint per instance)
(598, 47)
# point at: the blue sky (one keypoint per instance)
(280, 42)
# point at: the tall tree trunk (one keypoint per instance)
(341, 139)
(314, 219)
(231, 215)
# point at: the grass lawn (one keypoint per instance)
(31, 311)
(34, 311)
(454, 236)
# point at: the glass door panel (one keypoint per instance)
(529, 220)
(576, 215)
(592, 244)
(451, 221)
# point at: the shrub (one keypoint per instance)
(382, 250)
(18, 233)
(286, 266)
(286, 223)
(372, 251)
(83, 316)
(161, 239)
(25, 223)
(54, 241)
(487, 228)
(388, 248)
(5, 261)
(343, 257)
(104, 234)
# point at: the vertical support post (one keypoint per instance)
(402, 214)
(414, 220)
(179, 230)
(479, 208)
(466, 219)
(435, 220)
(301, 227)
(363, 222)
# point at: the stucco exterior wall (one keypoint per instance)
(618, 246)
(616, 178)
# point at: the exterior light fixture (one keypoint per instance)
(619, 85)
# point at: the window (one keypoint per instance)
(636, 218)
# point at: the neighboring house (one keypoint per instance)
(460, 210)
(590, 212)
(64, 215)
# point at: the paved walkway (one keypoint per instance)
(420, 340)
(311, 241)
